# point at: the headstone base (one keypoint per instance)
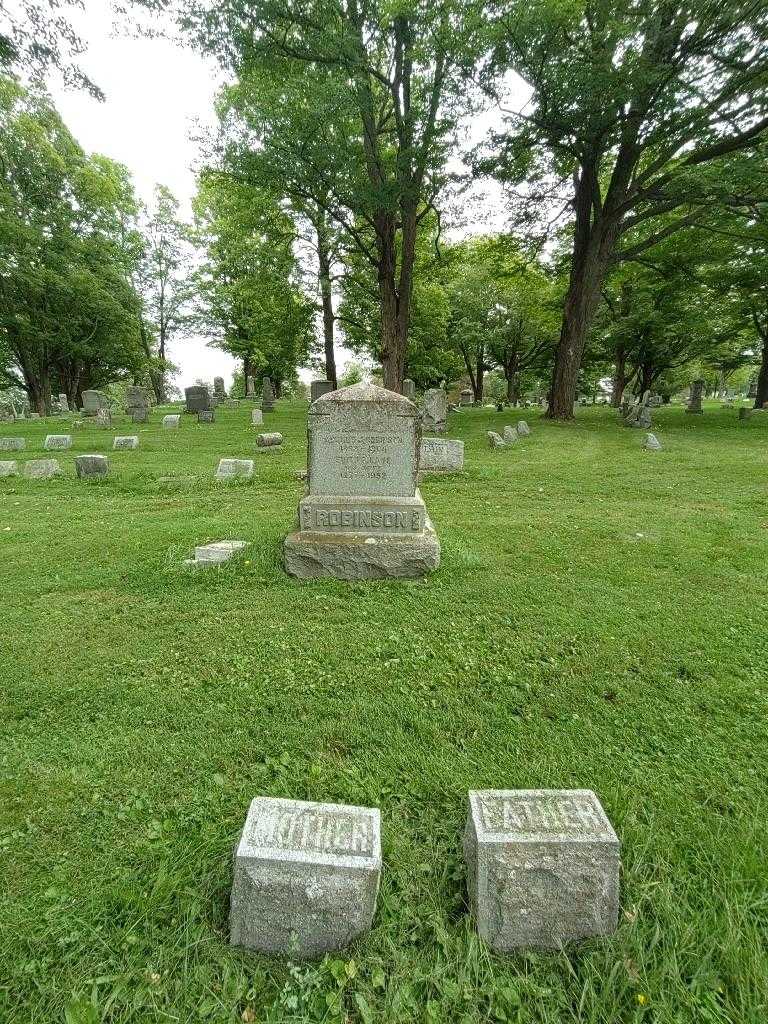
(361, 557)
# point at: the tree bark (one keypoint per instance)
(326, 296)
(762, 378)
(620, 377)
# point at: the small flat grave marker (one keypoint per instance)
(57, 441)
(231, 469)
(89, 467)
(440, 455)
(171, 421)
(9, 468)
(41, 469)
(125, 443)
(12, 444)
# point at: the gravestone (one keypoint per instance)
(320, 387)
(542, 867)
(523, 430)
(41, 469)
(439, 455)
(362, 516)
(197, 398)
(694, 402)
(306, 877)
(495, 440)
(257, 417)
(272, 440)
(126, 443)
(510, 434)
(250, 387)
(652, 443)
(217, 553)
(104, 419)
(89, 467)
(171, 421)
(63, 403)
(752, 387)
(57, 441)
(231, 469)
(219, 390)
(9, 468)
(466, 397)
(435, 411)
(93, 401)
(409, 389)
(655, 402)
(206, 416)
(12, 444)
(267, 395)
(639, 414)
(140, 416)
(136, 400)
(34, 415)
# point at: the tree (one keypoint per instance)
(36, 37)
(249, 296)
(166, 283)
(68, 314)
(381, 89)
(642, 106)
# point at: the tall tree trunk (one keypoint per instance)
(619, 377)
(762, 378)
(326, 296)
(647, 377)
(593, 247)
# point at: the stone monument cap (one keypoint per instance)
(539, 816)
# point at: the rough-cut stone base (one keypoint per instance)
(359, 557)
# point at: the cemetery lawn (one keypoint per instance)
(600, 621)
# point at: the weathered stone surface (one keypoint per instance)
(9, 468)
(435, 411)
(63, 403)
(318, 388)
(694, 402)
(217, 553)
(250, 387)
(57, 442)
(362, 517)
(197, 398)
(136, 399)
(510, 434)
(128, 443)
(495, 440)
(171, 421)
(466, 397)
(440, 455)
(93, 401)
(306, 877)
(257, 417)
(652, 443)
(104, 419)
(523, 429)
(271, 440)
(89, 467)
(206, 416)
(41, 469)
(140, 416)
(542, 867)
(267, 395)
(34, 415)
(12, 444)
(409, 389)
(219, 390)
(230, 469)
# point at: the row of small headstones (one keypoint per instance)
(511, 435)
(542, 869)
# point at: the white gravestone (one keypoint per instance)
(435, 411)
(217, 553)
(257, 417)
(128, 443)
(12, 444)
(542, 867)
(652, 443)
(510, 434)
(495, 440)
(272, 440)
(57, 441)
(231, 469)
(9, 468)
(41, 469)
(439, 455)
(523, 429)
(362, 516)
(306, 877)
(171, 422)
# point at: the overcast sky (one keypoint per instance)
(157, 93)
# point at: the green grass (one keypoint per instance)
(600, 620)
